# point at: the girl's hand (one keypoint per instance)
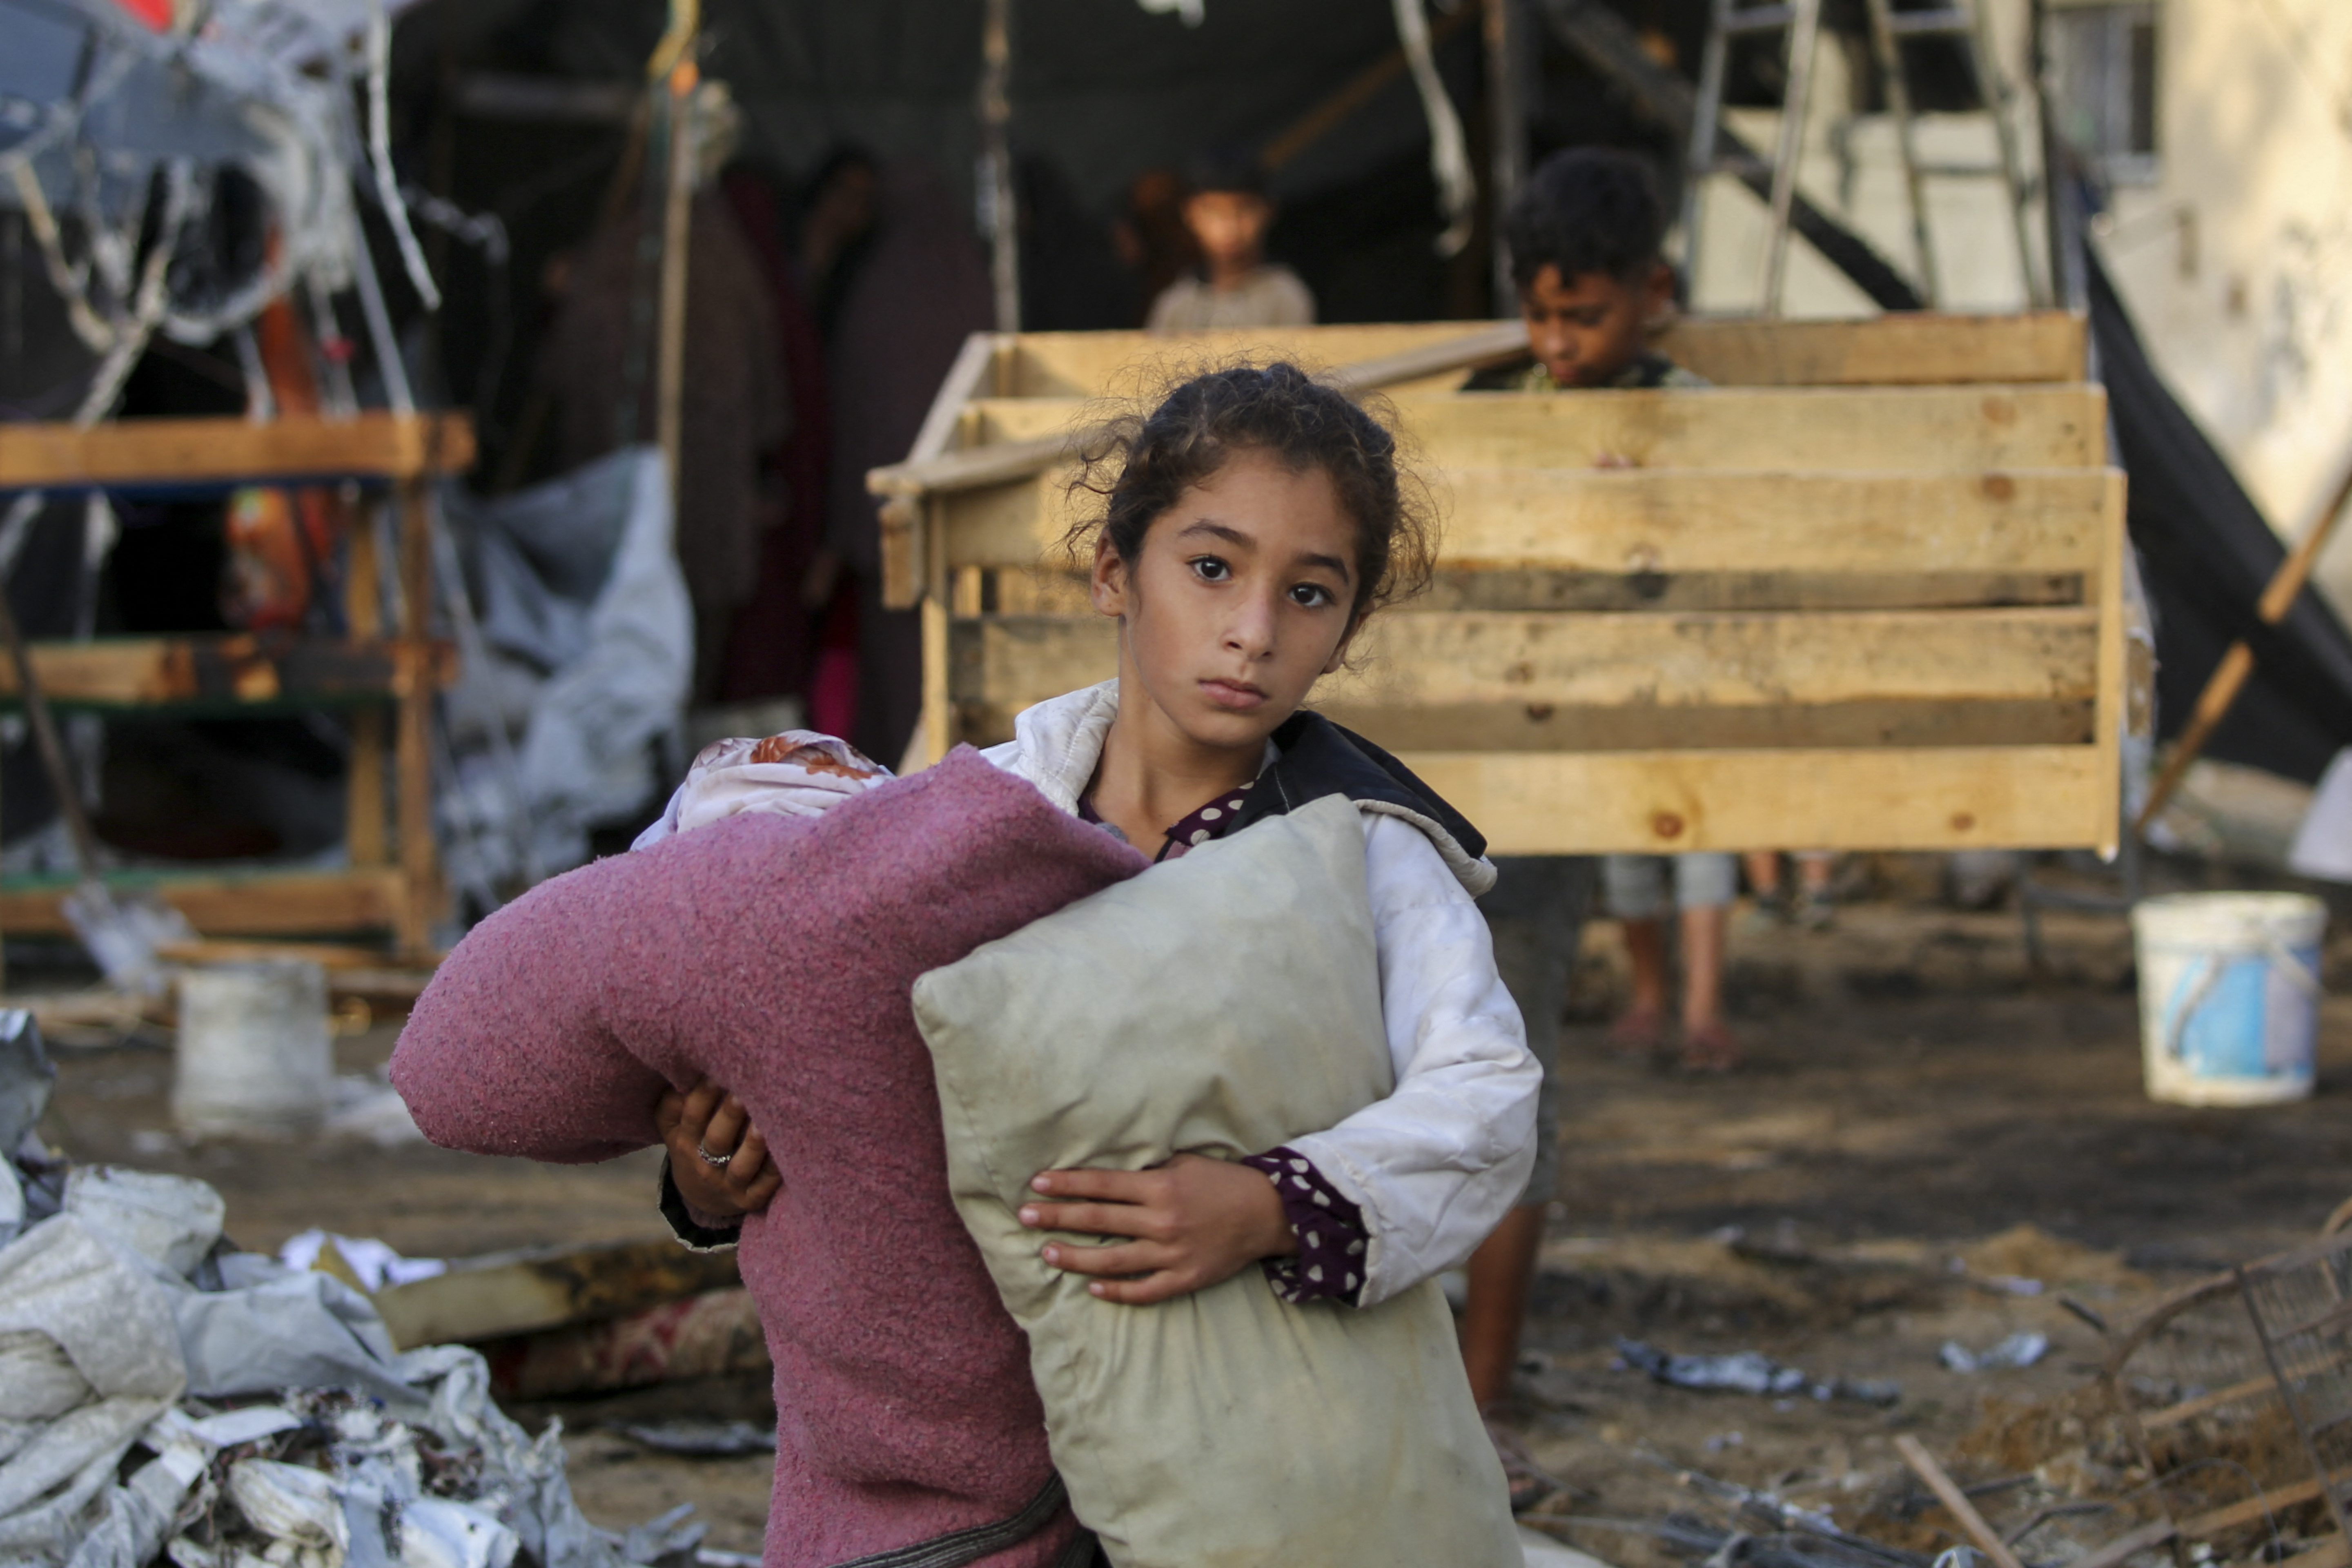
(709, 1119)
(1193, 1223)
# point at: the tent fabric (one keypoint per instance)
(2206, 553)
(1103, 88)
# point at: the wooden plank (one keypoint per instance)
(2252, 1510)
(234, 902)
(1911, 348)
(513, 1293)
(224, 671)
(1662, 523)
(2110, 719)
(992, 460)
(1666, 662)
(1143, 366)
(232, 451)
(1920, 429)
(1955, 1501)
(1543, 727)
(2173, 1414)
(1039, 590)
(1879, 798)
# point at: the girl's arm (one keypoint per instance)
(1435, 1166)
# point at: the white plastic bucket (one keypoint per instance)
(256, 1053)
(2229, 995)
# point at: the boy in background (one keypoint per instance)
(1228, 215)
(1586, 236)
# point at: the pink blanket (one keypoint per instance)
(776, 955)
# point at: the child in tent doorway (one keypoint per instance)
(1248, 527)
(1236, 287)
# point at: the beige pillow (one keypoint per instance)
(1221, 1003)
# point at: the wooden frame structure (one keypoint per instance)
(381, 671)
(1862, 593)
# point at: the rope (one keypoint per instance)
(1449, 152)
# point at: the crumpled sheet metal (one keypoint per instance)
(120, 1320)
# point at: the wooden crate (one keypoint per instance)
(1863, 594)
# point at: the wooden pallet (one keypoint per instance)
(380, 672)
(1863, 594)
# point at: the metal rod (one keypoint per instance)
(1507, 134)
(1804, 33)
(1884, 43)
(1699, 153)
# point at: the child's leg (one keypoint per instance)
(1502, 1277)
(1815, 902)
(1535, 915)
(1704, 884)
(1636, 886)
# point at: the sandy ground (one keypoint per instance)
(1923, 1123)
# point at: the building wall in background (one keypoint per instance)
(2230, 236)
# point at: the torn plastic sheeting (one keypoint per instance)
(295, 1331)
(2020, 1349)
(376, 1264)
(173, 1219)
(575, 578)
(1748, 1372)
(27, 1077)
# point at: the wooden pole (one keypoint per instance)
(996, 162)
(1506, 131)
(677, 210)
(2230, 676)
(413, 736)
(363, 803)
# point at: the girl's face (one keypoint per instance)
(1243, 597)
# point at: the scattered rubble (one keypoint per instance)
(2020, 1349)
(1748, 1372)
(160, 1392)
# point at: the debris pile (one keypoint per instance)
(162, 1393)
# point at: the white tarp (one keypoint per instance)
(124, 1329)
(591, 643)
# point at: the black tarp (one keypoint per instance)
(2207, 552)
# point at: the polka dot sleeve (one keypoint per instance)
(1330, 1263)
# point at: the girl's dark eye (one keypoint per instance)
(1210, 569)
(1312, 595)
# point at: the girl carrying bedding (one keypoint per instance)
(1252, 522)
(766, 938)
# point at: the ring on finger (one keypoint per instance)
(717, 1162)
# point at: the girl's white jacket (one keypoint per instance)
(1438, 1162)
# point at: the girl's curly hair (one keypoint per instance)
(1139, 466)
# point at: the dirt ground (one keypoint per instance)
(1925, 1131)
